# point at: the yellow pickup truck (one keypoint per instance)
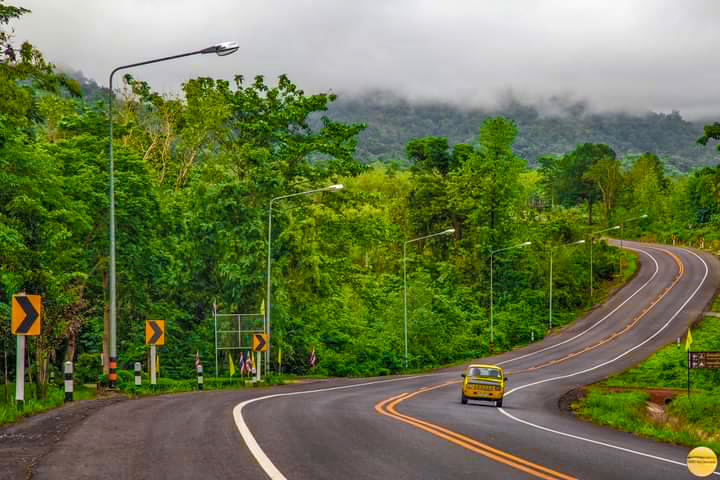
(483, 382)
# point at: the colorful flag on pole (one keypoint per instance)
(252, 363)
(262, 308)
(279, 358)
(197, 360)
(248, 363)
(231, 365)
(688, 340)
(157, 363)
(313, 359)
(241, 362)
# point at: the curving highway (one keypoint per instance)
(415, 427)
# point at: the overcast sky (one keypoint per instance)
(658, 55)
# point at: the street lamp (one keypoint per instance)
(221, 49)
(592, 235)
(492, 334)
(444, 232)
(552, 250)
(331, 188)
(622, 226)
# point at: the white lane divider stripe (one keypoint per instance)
(657, 269)
(265, 463)
(639, 345)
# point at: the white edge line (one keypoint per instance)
(252, 444)
(540, 427)
(657, 269)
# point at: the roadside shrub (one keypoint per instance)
(88, 368)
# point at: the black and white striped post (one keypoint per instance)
(200, 377)
(68, 382)
(138, 374)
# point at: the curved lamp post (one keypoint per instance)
(332, 188)
(592, 240)
(444, 232)
(552, 250)
(525, 244)
(221, 49)
(622, 226)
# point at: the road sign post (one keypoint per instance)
(200, 377)
(138, 374)
(259, 344)
(153, 375)
(20, 371)
(154, 335)
(25, 321)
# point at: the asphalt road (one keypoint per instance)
(414, 427)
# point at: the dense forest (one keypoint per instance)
(553, 130)
(194, 180)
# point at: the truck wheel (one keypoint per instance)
(498, 403)
(463, 399)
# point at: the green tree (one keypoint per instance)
(710, 131)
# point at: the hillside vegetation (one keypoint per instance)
(194, 180)
(393, 121)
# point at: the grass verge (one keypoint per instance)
(687, 420)
(9, 411)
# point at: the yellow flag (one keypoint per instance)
(252, 362)
(279, 357)
(688, 340)
(262, 308)
(157, 363)
(231, 365)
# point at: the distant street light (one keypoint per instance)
(552, 250)
(592, 240)
(622, 226)
(221, 49)
(622, 234)
(444, 232)
(332, 188)
(492, 332)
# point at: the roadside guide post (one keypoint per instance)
(68, 382)
(25, 320)
(138, 374)
(153, 372)
(200, 377)
(154, 335)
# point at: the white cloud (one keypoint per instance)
(635, 55)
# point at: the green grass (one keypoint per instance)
(694, 421)
(667, 368)
(126, 384)
(10, 413)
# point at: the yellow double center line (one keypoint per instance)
(633, 323)
(387, 408)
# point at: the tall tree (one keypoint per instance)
(574, 184)
(608, 177)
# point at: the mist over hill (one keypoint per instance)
(554, 127)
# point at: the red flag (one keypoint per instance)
(197, 360)
(313, 359)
